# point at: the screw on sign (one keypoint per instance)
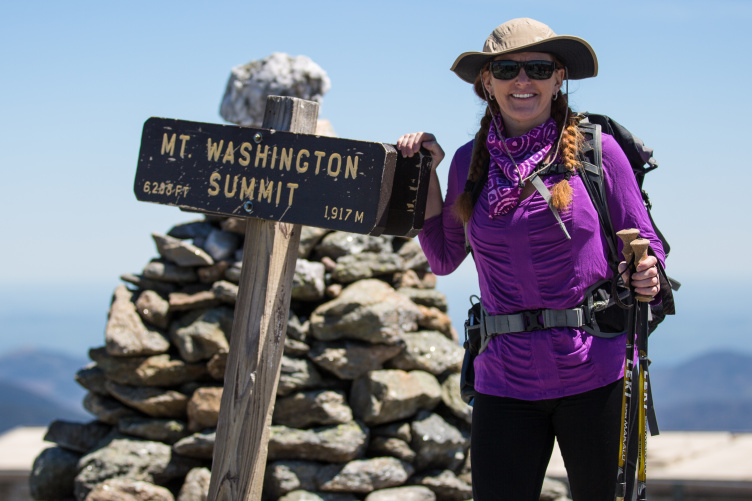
(279, 177)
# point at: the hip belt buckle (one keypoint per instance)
(531, 320)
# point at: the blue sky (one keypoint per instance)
(79, 78)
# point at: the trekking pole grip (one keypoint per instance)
(627, 236)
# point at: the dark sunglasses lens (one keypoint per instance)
(539, 70)
(505, 70)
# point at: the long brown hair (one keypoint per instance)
(571, 145)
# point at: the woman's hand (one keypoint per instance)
(645, 278)
(409, 144)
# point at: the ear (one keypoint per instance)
(486, 77)
(559, 75)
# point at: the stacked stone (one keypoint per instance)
(368, 400)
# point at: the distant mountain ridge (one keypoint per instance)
(38, 386)
(711, 392)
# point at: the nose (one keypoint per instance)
(522, 76)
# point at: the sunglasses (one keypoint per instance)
(536, 70)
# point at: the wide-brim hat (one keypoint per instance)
(529, 35)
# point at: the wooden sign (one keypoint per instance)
(332, 183)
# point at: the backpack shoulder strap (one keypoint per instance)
(591, 173)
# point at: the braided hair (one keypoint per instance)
(571, 146)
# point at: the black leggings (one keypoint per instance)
(512, 442)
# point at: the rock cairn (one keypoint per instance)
(368, 402)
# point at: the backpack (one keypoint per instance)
(608, 321)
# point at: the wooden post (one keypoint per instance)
(258, 335)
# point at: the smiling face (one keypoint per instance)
(524, 103)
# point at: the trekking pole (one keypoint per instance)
(627, 236)
(640, 248)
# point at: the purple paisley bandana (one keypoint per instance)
(504, 178)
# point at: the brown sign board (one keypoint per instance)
(339, 184)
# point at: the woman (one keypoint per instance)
(557, 383)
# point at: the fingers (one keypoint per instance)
(645, 280)
(410, 144)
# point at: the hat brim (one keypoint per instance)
(575, 53)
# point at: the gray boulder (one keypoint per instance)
(53, 473)
(163, 271)
(351, 359)
(308, 281)
(118, 489)
(409, 493)
(199, 445)
(445, 485)
(337, 244)
(76, 437)
(221, 244)
(180, 252)
(368, 310)
(201, 334)
(297, 374)
(151, 400)
(365, 265)
(437, 443)
(168, 431)
(156, 370)
(320, 407)
(331, 444)
(364, 476)
(428, 351)
(154, 309)
(125, 333)
(391, 395)
(450, 396)
(286, 476)
(134, 460)
(196, 485)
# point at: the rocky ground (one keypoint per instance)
(368, 403)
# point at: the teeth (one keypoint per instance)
(522, 96)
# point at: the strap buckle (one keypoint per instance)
(532, 323)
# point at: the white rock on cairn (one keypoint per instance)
(276, 75)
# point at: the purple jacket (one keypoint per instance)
(524, 262)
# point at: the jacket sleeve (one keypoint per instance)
(443, 236)
(624, 197)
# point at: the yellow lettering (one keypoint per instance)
(285, 159)
(261, 155)
(183, 139)
(292, 187)
(214, 190)
(279, 193)
(245, 154)
(329, 170)
(213, 150)
(168, 145)
(274, 156)
(265, 190)
(320, 155)
(178, 191)
(228, 193)
(358, 217)
(246, 191)
(298, 167)
(229, 154)
(352, 168)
